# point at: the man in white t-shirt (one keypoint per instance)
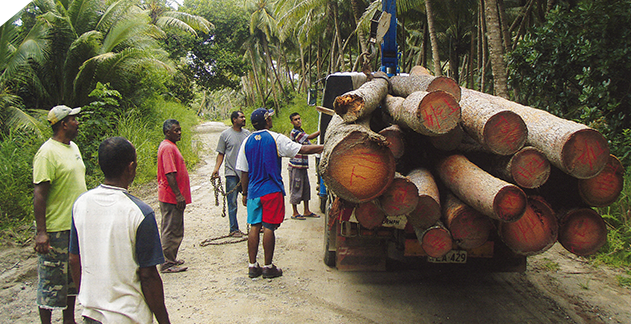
(115, 246)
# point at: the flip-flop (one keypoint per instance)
(174, 269)
(179, 262)
(299, 217)
(312, 215)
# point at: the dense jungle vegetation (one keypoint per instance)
(131, 64)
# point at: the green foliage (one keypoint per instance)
(298, 104)
(550, 265)
(617, 249)
(576, 66)
(625, 281)
(16, 178)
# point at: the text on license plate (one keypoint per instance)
(453, 256)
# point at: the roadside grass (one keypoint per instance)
(617, 250)
(625, 280)
(550, 265)
(141, 125)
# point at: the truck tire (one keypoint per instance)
(329, 254)
(323, 204)
(329, 257)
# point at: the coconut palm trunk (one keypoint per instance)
(496, 49)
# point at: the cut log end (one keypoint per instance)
(530, 168)
(582, 231)
(348, 105)
(469, 228)
(605, 188)
(436, 242)
(509, 204)
(369, 215)
(426, 213)
(505, 133)
(400, 198)
(359, 170)
(446, 84)
(535, 232)
(439, 113)
(585, 154)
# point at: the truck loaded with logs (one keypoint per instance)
(417, 168)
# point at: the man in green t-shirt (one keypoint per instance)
(59, 179)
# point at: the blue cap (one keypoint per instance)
(260, 115)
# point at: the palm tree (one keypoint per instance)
(166, 19)
(496, 49)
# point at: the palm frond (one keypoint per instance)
(196, 22)
(125, 30)
(84, 14)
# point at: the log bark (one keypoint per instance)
(489, 195)
(369, 215)
(436, 241)
(427, 211)
(469, 228)
(582, 231)
(605, 188)
(400, 198)
(427, 113)
(498, 129)
(578, 150)
(361, 102)
(356, 163)
(394, 136)
(420, 80)
(533, 233)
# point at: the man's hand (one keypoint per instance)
(245, 200)
(181, 203)
(42, 242)
(215, 175)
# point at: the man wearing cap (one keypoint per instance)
(259, 161)
(58, 178)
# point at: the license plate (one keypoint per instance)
(453, 256)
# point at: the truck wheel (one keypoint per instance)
(329, 257)
(329, 235)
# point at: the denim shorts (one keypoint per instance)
(55, 281)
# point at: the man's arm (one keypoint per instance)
(218, 163)
(245, 180)
(311, 149)
(152, 289)
(75, 269)
(40, 195)
(172, 180)
(314, 135)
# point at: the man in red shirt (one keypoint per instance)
(174, 192)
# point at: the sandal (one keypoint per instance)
(174, 269)
(313, 215)
(300, 217)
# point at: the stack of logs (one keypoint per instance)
(460, 164)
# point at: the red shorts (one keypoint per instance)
(267, 209)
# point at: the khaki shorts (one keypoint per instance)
(55, 282)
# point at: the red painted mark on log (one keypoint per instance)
(452, 108)
(589, 156)
(530, 168)
(435, 241)
(354, 175)
(605, 182)
(508, 129)
(508, 203)
(523, 227)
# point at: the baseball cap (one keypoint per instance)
(260, 115)
(60, 112)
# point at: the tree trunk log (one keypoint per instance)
(491, 196)
(603, 189)
(394, 136)
(533, 233)
(498, 129)
(427, 211)
(420, 80)
(582, 231)
(436, 241)
(528, 168)
(360, 103)
(369, 215)
(578, 150)
(469, 228)
(400, 198)
(427, 113)
(356, 163)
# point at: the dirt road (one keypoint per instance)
(556, 288)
